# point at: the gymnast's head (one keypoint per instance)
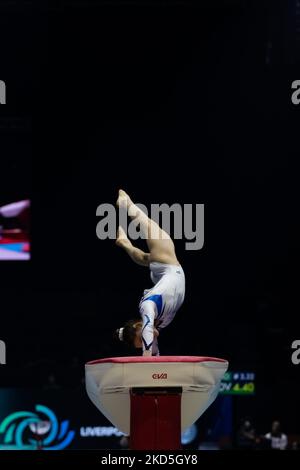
(131, 333)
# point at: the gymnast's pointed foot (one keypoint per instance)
(123, 199)
(124, 202)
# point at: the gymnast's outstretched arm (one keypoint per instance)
(149, 332)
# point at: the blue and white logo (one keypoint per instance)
(25, 430)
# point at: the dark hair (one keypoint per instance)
(129, 332)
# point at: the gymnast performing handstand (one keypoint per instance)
(158, 305)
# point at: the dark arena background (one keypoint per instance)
(175, 102)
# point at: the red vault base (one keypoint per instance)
(155, 419)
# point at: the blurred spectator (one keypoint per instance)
(246, 437)
(277, 438)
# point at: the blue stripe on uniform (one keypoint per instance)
(157, 299)
(147, 346)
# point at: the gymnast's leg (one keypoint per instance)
(160, 245)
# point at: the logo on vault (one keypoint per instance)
(25, 430)
(160, 376)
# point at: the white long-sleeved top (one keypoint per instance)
(159, 305)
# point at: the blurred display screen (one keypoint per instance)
(15, 230)
(238, 383)
(15, 190)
